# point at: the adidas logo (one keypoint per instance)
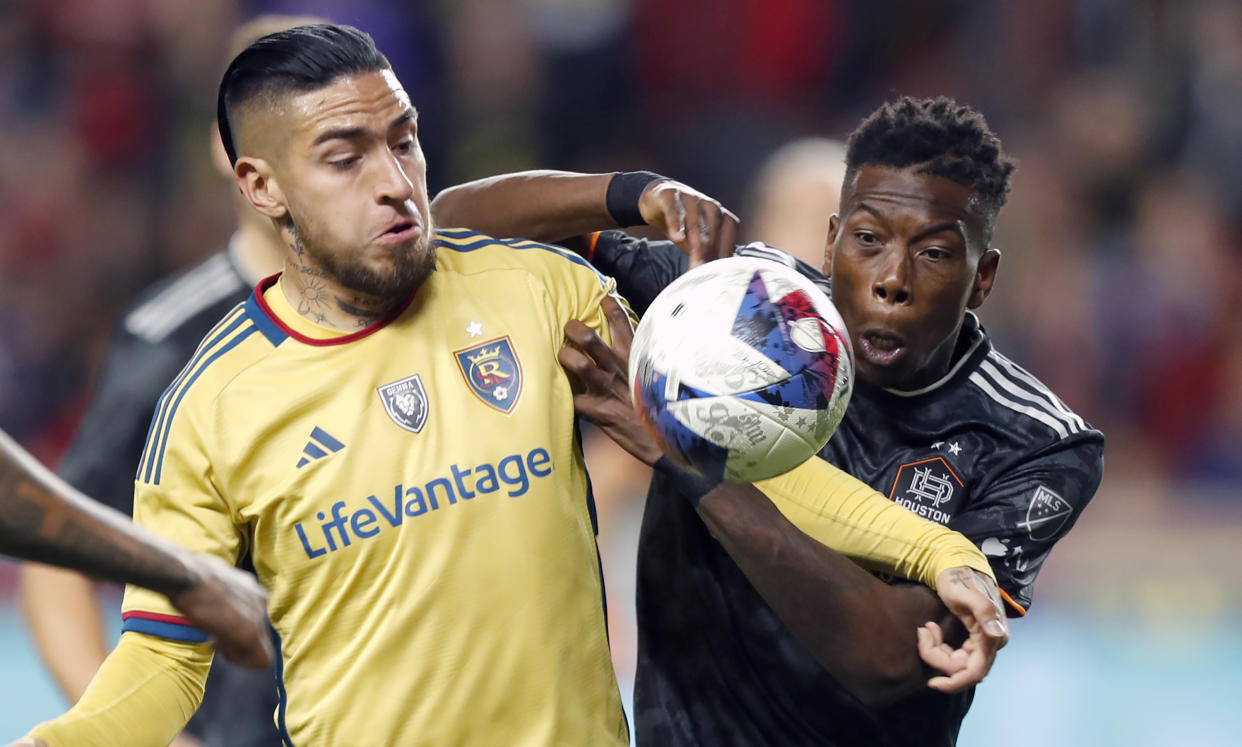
(319, 446)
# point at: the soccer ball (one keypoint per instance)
(741, 369)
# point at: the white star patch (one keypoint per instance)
(474, 329)
(954, 449)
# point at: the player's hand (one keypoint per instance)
(231, 607)
(602, 375)
(974, 599)
(696, 223)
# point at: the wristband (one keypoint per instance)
(686, 482)
(623, 193)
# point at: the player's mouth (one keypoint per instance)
(880, 348)
(400, 232)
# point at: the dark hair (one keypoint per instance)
(295, 60)
(942, 138)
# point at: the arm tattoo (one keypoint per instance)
(44, 520)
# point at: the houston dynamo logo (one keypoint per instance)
(493, 372)
(405, 401)
(927, 487)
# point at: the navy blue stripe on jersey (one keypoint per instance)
(226, 325)
(172, 412)
(458, 233)
(282, 696)
(230, 322)
(270, 330)
(161, 629)
(322, 436)
(484, 240)
(230, 317)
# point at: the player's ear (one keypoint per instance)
(985, 275)
(258, 183)
(834, 225)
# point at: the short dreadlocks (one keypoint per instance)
(939, 136)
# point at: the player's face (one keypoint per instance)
(907, 257)
(355, 184)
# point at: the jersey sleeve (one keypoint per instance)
(1028, 508)
(577, 287)
(143, 694)
(847, 515)
(176, 497)
(109, 440)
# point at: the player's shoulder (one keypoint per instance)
(469, 252)
(1027, 404)
(238, 341)
(242, 338)
(186, 303)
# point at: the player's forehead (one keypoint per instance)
(883, 191)
(371, 101)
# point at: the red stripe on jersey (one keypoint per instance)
(266, 283)
(156, 617)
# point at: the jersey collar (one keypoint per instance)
(973, 346)
(284, 316)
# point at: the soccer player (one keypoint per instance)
(157, 336)
(940, 421)
(386, 428)
(45, 520)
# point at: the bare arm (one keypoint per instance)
(541, 205)
(857, 627)
(860, 629)
(559, 205)
(43, 519)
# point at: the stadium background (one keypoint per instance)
(1120, 287)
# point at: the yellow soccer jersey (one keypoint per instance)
(415, 501)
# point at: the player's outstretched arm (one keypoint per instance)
(859, 628)
(44, 519)
(556, 206)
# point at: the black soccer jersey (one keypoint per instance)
(150, 346)
(987, 450)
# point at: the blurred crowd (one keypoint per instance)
(1122, 266)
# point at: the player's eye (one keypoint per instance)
(344, 164)
(866, 238)
(404, 147)
(935, 253)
